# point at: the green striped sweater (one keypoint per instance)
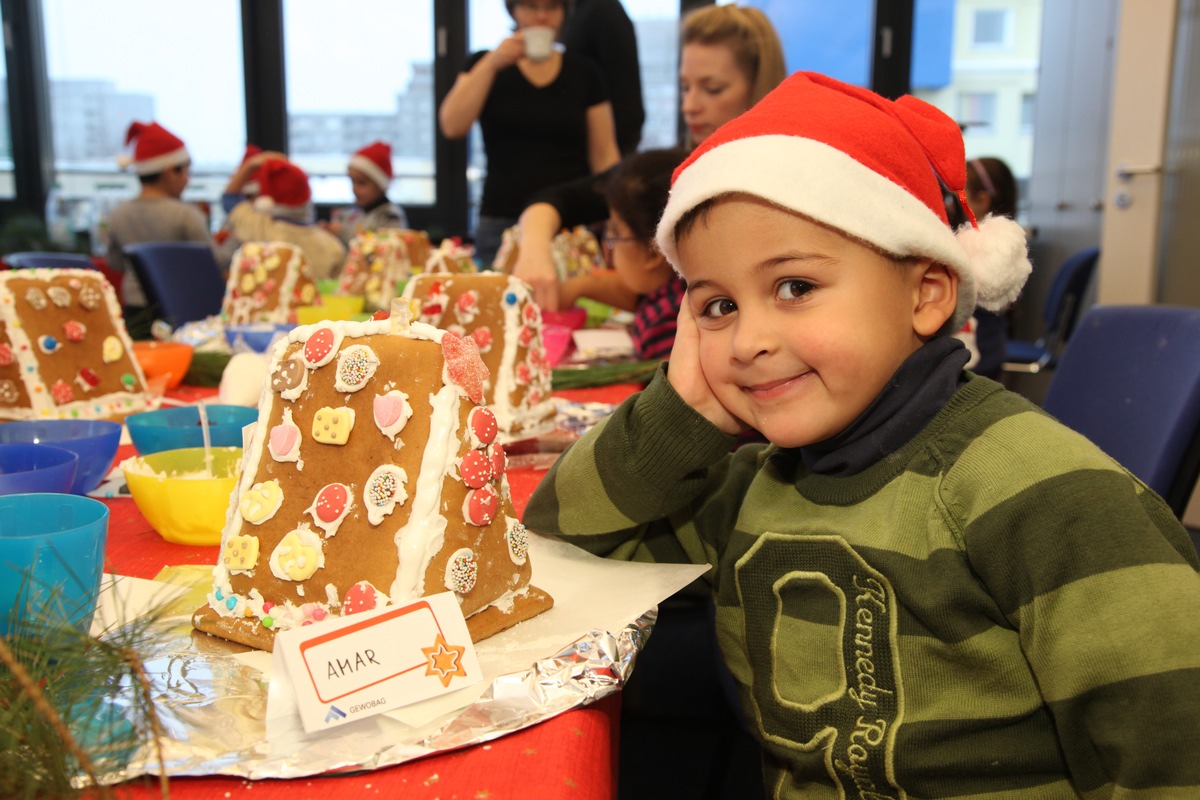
(995, 611)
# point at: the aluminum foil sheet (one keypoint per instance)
(212, 708)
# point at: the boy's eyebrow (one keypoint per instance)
(768, 264)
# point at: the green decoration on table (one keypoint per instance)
(74, 709)
(206, 369)
(584, 377)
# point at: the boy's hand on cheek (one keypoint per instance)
(685, 372)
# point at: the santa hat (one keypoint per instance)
(283, 187)
(866, 166)
(155, 149)
(250, 187)
(375, 161)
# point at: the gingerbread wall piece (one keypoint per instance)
(64, 350)
(267, 282)
(498, 314)
(371, 479)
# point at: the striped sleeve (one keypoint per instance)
(1101, 584)
(635, 486)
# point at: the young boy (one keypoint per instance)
(370, 173)
(924, 586)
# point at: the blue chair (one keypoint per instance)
(1130, 381)
(1059, 315)
(181, 279)
(47, 260)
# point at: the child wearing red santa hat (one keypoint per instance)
(370, 173)
(157, 214)
(282, 211)
(924, 586)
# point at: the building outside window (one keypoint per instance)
(118, 61)
(360, 71)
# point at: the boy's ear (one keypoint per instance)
(937, 298)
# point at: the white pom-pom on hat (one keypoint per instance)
(999, 259)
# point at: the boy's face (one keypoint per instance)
(366, 191)
(800, 326)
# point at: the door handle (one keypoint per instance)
(1125, 172)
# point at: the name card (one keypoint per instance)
(376, 661)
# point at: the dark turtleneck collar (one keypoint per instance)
(914, 395)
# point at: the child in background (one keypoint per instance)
(282, 211)
(924, 585)
(991, 189)
(637, 194)
(370, 172)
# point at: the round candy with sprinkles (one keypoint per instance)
(355, 366)
(383, 491)
(518, 543)
(462, 570)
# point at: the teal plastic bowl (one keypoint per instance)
(95, 441)
(51, 560)
(29, 468)
(178, 428)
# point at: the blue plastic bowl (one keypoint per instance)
(256, 336)
(28, 468)
(51, 559)
(94, 440)
(179, 427)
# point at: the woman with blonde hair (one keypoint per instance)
(730, 57)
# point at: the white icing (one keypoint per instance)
(422, 536)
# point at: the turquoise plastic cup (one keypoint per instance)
(51, 561)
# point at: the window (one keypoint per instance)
(1027, 106)
(977, 113)
(7, 187)
(360, 71)
(111, 63)
(991, 29)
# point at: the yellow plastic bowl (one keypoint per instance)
(173, 494)
(333, 307)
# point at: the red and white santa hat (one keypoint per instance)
(375, 161)
(155, 149)
(250, 187)
(282, 187)
(864, 165)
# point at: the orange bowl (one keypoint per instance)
(165, 361)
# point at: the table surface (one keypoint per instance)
(573, 754)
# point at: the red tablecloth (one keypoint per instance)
(571, 755)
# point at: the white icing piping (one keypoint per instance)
(422, 536)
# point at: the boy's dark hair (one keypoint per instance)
(638, 189)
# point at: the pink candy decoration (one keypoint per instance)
(283, 439)
(359, 597)
(464, 365)
(483, 425)
(331, 502)
(388, 409)
(476, 469)
(319, 347)
(482, 504)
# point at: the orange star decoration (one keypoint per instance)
(445, 660)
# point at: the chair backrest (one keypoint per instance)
(182, 279)
(1065, 299)
(1130, 381)
(48, 260)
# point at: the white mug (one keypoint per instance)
(539, 42)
